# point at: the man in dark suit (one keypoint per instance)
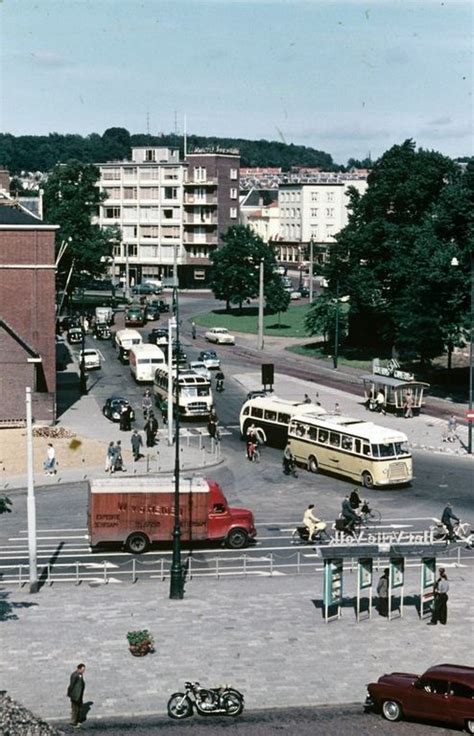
(75, 693)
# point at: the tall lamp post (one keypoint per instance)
(82, 364)
(336, 328)
(176, 573)
(260, 306)
(455, 262)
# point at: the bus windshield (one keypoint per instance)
(390, 449)
(191, 391)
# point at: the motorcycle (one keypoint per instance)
(320, 536)
(216, 701)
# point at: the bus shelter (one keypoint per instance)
(395, 391)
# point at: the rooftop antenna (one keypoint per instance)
(185, 137)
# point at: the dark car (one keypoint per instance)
(143, 290)
(66, 322)
(101, 331)
(180, 354)
(113, 408)
(158, 336)
(74, 335)
(210, 359)
(152, 312)
(444, 692)
(134, 317)
(304, 292)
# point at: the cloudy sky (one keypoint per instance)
(344, 76)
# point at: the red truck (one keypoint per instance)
(140, 510)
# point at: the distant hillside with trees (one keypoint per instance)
(43, 152)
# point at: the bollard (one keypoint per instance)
(200, 440)
(190, 568)
(162, 569)
(271, 564)
(50, 580)
(105, 572)
(134, 573)
(20, 567)
(245, 564)
(459, 556)
(77, 573)
(217, 568)
(148, 462)
(298, 562)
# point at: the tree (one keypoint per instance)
(71, 198)
(321, 317)
(234, 274)
(5, 504)
(393, 260)
(277, 299)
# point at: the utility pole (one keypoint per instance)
(176, 573)
(31, 507)
(171, 326)
(336, 328)
(311, 271)
(260, 307)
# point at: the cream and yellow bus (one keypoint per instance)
(273, 416)
(195, 395)
(371, 455)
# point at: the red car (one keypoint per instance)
(444, 693)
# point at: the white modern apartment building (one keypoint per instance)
(169, 211)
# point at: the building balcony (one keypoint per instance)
(193, 199)
(190, 219)
(199, 239)
(208, 182)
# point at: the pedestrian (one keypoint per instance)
(409, 401)
(337, 409)
(118, 459)
(151, 428)
(164, 411)
(193, 330)
(451, 435)
(380, 401)
(212, 426)
(251, 440)
(49, 464)
(109, 458)
(147, 403)
(440, 604)
(137, 444)
(306, 399)
(123, 418)
(382, 592)
(75, 693)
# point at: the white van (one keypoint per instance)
(124, 340)
(144, 360)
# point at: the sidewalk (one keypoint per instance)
(266, 636)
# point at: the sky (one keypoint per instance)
(346, 77)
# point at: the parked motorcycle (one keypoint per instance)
(216, 701)
(320, 536)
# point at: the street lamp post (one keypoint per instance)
(311, 271)
(260, 307)
(455, 262)
(176, 573)
(31, 504)
(82, 365)
(336, 328)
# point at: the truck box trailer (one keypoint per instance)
(138, 511)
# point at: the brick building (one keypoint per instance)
(27, 315)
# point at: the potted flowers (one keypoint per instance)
(140, 642)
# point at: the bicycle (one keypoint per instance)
(368, 516)
(461, 532)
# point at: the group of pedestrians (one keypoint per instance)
(439, 611)
(113, 458)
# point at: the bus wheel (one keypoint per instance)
(367, 480)
(137, 543)
(312, 464)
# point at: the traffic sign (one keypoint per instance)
(470, 415)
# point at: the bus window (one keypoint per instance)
(346, 442)
(366, 450)
(386, 449)
(246, 411)
(312, 434)
(256, 412)
(300, 429)
(357, 446)
(203, 390)
(334, 439)
(270, 415)
(323, 436)
(401, 448)
(284, 418)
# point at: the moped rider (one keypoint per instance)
(349, 515)
(311, 522)
(219, 381)
(447, 519)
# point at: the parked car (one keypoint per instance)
(281, 270)
(152, 312)
(210, 359)
(143, 290)
(113, 408)
(134, 317)
(156, 285)
(199, 367)
(257, 393)
(219, 335)
(304, 291)
(158, 336)
(295, 295)
(74, 335)
(444, 692)
(92, 359)
(66, 322)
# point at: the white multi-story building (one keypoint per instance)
(169, 211)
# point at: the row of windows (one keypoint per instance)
(295, 196)
(269, 415)
(146, 173)
(346, 442)
(146, 251)
(314, 212)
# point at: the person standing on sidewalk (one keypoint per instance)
(382, 592)
(440, 605)
(151, 428)
(75, 693)
(380, 401)
(147, 403)
(50, 462)
(193, 330)
(137, 444)
(109, 458)
(409, 401)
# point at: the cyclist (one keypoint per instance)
(355, 500)
(349, 516)
(288, 460)
(219, 381)
(446, 519)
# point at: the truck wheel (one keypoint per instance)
(137, 543)
(237, 539)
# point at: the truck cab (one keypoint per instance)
(234, 525)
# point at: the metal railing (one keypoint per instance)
(244, 565)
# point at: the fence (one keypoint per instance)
(135, 569)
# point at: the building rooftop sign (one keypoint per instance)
(217, 149)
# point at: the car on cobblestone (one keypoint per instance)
(444, 692)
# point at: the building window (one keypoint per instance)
(329, 211)
(149, 193)
(149, 213)
(234, 174)
(171, 174)
(112, 193)
(171, 192)
(111, 174)
(329, 231)
(200, 173)
(314, 211)
(130, 214)
(117, 250)
(330, 196)
(233, 213)
(132, 250)
(130, 172)
(168, 213)
(314, 196)
(149, 231)
(233, 193)
(199, 274)
(150, 154)
(112, 213)
(149, 251)
(129, 192)
(314, 232)
(129, 232)
(168, 232)
(151, 172)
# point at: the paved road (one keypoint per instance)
(349, 720)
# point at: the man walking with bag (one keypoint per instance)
(75, 693)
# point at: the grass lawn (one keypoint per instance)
(291, 321)
(320, 352)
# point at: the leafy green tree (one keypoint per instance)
(321, 317)
(277, 299)
(234, 275)
(393, 260)
(5, 504)
(71, 198)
